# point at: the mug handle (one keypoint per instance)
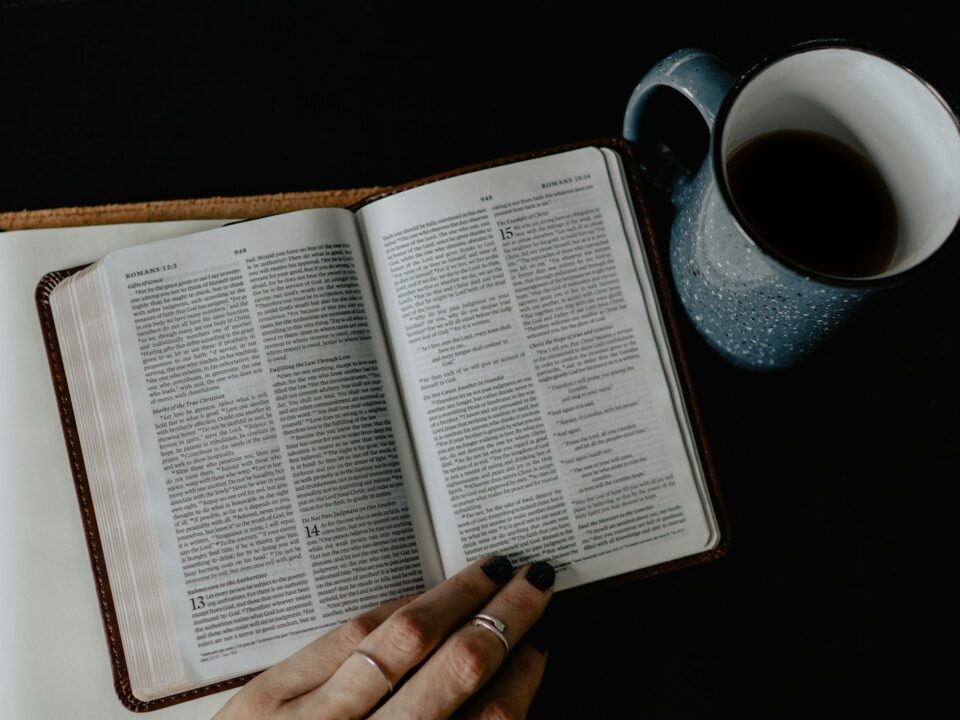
(704, 81)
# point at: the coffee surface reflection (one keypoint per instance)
(814, 201)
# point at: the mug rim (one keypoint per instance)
(717, 159)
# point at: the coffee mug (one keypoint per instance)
(833, 174)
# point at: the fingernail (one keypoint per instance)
(498, 568)
(540, 634)
(541, 576)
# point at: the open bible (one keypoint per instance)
(281, 422)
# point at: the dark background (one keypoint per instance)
(840, 476)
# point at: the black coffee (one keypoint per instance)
(815, 201)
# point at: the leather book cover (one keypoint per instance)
(263, 205)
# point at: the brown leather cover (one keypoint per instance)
(121, 677)
(212, 208)
(357, 198)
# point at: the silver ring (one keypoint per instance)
(498, 624)
(493, 625)
(378, 666)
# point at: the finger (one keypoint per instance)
(312, 665)
(470, 656)
(402, 641)
(307, 668)
(510, 692)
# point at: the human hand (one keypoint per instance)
(438, 662)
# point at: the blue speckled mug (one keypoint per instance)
(756, 307)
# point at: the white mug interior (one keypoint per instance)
(887, 113)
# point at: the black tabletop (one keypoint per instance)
(840, 476)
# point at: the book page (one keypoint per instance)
(538, 397)
(47, 591)
(280, 475)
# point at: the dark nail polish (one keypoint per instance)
(498, 568)
(541, 576)
(540, 634)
